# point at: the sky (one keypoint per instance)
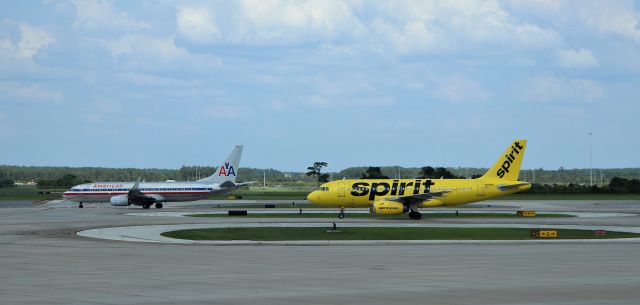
(353, 83)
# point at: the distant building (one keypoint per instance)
(30, 183)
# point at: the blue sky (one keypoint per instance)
(354, 83)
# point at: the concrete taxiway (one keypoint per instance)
(43, 261)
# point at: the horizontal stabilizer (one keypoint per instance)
(505, 187)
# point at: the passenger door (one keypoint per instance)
(481, 189)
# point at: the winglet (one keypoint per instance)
(136, 185)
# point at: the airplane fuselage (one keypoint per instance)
(448, 192)
(165, 191)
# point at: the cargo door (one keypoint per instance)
(341, 189)
(481, 188)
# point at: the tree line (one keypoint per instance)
(560, 177)
(617, 185)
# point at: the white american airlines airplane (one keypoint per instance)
(146, 194)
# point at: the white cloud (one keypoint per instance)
(581, 58)
(276, 104)
(281, 19)
(198, 94)
(437, 26)
(317, 101)
(594, 17)
(143, 52)
(458, 88)
(320, 101)
(147, 47)
(32, 41)
(225, 112)
(6, 46)
(103, 110)
(410, 37)
(18, 91)
(550, 88)
(404, 27)
(197, 25)
(270, 22)
(613, 17)
(100, 14)
(150, 80)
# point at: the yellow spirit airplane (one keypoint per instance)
(397, 196)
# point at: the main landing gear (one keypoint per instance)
(415, 215)
(80, 205)
(148, 205)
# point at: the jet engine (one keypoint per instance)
(120, 200)
(383, 207)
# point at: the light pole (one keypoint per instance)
(590, 164)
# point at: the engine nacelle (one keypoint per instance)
(383, 207)
(120, 200)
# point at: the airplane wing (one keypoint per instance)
(245, 183)
(504, 187)
(415, 199)
(230, 184)
(135, 196)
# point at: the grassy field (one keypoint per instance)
(387, 217)
(271, 234)
(28, 193)
(267, 195)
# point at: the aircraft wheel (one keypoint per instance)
(80, 205)
(159, 205)
(415, 215)
(341, 215)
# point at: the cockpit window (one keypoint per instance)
(324, 189)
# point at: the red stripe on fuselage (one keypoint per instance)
(125, 193)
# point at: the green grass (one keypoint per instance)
(271, 234)
(389, 217)
(28, 193)
(267, 194)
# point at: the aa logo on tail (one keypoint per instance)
(226, 170)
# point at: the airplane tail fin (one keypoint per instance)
(508, 165)
(228, 170)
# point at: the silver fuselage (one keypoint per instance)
(165, 191)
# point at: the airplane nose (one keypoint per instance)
(311, 196)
